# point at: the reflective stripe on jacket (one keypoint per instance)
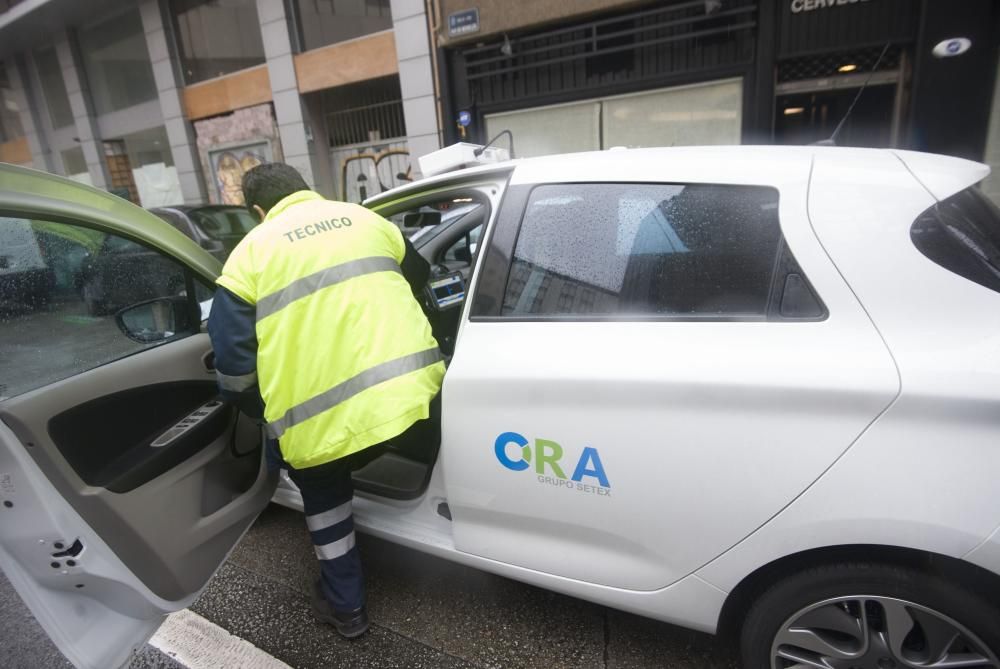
(345, 356)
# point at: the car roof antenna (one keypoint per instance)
(478, 152)
(832, 141)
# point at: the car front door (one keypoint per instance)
(124, 480)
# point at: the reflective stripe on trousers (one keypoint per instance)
(326, 500)
(343, 391)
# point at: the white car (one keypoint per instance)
(746, 390)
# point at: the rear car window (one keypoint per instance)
(962, 234)
(650, 249)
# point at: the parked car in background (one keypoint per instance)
(24, 274)
(121, 273)
(217, 228)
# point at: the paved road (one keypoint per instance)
(426, 612)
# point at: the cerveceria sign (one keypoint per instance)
(799, 6)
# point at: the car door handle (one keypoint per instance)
(209, 361)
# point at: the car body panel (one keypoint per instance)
(923, 475)
(942, 175)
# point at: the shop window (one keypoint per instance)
(324, 22)
(53, 88)
(116, 59)
(142, 165)
(217, 37)
(10, 118)
(668, 250)
(708, 113)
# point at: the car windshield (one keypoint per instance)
(223, 222)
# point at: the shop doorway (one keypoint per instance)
(814, 93)
(807, 117)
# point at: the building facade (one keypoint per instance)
(167, 101)
(591, 74)
(171, 101)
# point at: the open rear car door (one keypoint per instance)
(124, 480)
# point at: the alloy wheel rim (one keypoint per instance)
(871, 632)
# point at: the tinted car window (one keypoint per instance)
(962, 234)
(666, 249)
(60, 286)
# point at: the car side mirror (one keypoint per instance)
(464, 254)
(156, 321)
(421, 219)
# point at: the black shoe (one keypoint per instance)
(349, 624)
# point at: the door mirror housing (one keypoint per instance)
(464, 254)
(421, 219)
(156, 321)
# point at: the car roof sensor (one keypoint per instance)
(464, 154)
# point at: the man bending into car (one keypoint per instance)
(316, 329)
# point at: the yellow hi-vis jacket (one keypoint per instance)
(345, 356)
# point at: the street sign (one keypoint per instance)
(463, 23)
(464, 119)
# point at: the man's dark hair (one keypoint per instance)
(267, 184)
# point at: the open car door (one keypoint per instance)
(124, 480)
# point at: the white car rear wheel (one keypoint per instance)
(870, 616)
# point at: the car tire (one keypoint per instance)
(849, 604)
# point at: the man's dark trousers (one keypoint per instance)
(327, 491)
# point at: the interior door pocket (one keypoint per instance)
(123, 440)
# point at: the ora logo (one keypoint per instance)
(514, 452)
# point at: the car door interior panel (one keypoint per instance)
(153, 429)
(161, 469)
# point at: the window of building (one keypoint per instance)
(75, 166)
(10, 117)
(364, 112)
(53, 88)
(324, 22)
(152, 167)
(647, 250)
(962, 234)
(709, 113)
(116, 59)
(217, 37)
(61, 287)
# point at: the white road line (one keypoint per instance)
(200, 644)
